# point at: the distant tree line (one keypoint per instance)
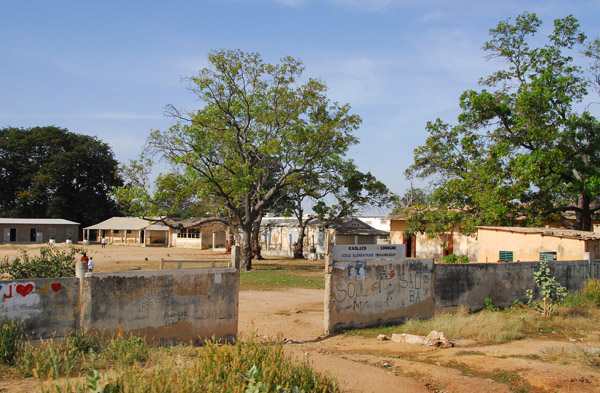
(49, 172)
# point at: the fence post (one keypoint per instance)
(162, 263)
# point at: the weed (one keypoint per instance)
(489, 305)
(552, 292)
(11, 337)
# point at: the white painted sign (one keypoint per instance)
(368, 252)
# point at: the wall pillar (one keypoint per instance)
(236, 256)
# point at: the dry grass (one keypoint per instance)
(248, 366)
(488, 327)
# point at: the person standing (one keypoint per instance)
(84, 259)
(103, 242)
(90, 265)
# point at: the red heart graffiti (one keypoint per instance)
(56, 286)
(24, 290)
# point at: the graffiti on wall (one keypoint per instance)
(379, 286)
(22, 299)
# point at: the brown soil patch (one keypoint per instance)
(369, 365)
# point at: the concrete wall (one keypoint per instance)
(469, 284)
(360, 294)
(46, 306)
(178, 305)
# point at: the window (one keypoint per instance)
(69, 232)
(506, 256)
(191, 233)
(548, 256)
(51, 233)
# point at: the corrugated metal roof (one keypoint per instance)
(127, 223)
(33, 221)
(557, 232)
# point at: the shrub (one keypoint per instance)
(453, 258)
(11, 336)
(591, 291)
(552, 292)
(51, 263)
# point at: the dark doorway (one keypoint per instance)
(13, 234)
(409, 245)
(32, 234)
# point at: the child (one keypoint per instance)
(90, 265)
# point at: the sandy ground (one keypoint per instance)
(370, 365)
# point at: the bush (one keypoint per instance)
(51, 263)
(453, 258)
(11, 336)
(591, 291)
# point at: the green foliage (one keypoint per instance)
(94, 384)
(453, 258)
(552, 292)
(51, 172)
(489, 305)
(352, 191)
(51, 263)
(521, 153)
(11, 337)
(256, 386)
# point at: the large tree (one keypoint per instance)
(49, 172)
(259, 125)
(526, 148)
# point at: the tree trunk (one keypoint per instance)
(584, 217)
(246, 247)
(256, 249)
(299, 248)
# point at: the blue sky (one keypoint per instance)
(109, 68)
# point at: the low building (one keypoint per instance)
(187, 234)
(279, 234)
(514, 244)
(356, 231)
(38, 230)
(128, 230)
(422, 246)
